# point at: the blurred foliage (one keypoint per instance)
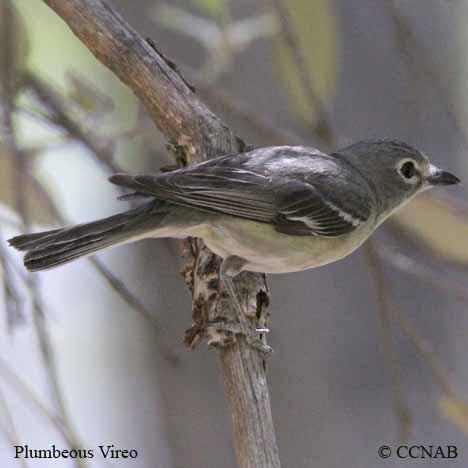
(315, 23)
(55, 56)
(214, 8)
(456, 411)
(86, 96)
(56, 53)
(438, 224)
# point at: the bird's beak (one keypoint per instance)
(439, 177)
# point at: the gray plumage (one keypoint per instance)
(277, 209)
(293, 188)
(53, 248)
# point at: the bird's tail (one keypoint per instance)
(49, 249)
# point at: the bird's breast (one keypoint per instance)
(269, 251)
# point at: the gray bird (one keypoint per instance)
(271, 210)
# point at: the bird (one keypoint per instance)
(274, 209)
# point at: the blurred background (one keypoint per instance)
(369, 351)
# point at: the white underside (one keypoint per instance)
(265, 249)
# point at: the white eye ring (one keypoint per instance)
(408, 170)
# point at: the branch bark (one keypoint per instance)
(197, 134)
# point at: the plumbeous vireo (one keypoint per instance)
(270, 210)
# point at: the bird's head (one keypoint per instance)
(395, 171)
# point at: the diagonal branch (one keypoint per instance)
(198, 134)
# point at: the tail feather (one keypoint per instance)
(50, 258)
(29, 241)
(48, 249)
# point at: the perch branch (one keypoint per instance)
(197, 134)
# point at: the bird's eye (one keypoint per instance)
(408, 170)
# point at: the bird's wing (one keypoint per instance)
(304, 210)
(293, 188)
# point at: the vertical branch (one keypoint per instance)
(252, 423)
